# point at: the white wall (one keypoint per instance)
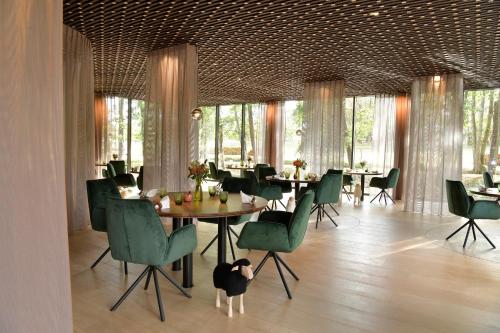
(35, 293)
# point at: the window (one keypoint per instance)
(363, 128)
(255, 132)
(230, 129)
(206, 141)
(137, 134)
(293, 117)
(349, 112)
(481, 146)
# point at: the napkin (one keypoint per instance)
(247, 199)
(152, 193)
(165, 203)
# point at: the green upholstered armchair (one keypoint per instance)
(257, 168)
(488, 181)
(98, 192)
(278, 231)
(384, 183)
(347, 180)
(116, 171)
(140, 179)
(136, 234)
(461, 204)
(232, 185)
(267, 191)
(217, 174)
(327, 192)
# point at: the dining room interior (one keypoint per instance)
(250, 166)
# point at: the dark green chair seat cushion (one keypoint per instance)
(484, 209)
(136, 235)
(461, 204)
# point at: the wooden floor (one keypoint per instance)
(376, 273)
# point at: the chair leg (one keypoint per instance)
(314, 209)
(158, 295)
(129, 290)
(100, 257)
(484, 235)
(332, 207)
(375, 197)
(282, 276)
(393, 201)
(208, 246)
(261, 264)
(282, 204)
(346, 193)
(336, 225)
(125, 267)
(318, 216)
(172, 281)
(463, 226)
(473, 232)
(147, 280)
(286, 266)
(234, 232)
(230, 243)
(385, 198)
(467, 235)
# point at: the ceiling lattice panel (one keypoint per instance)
(263, 50)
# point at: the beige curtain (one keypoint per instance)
(324, 125)
(170, 134)
(435, 142)
(35, 293)
(78, 125)
(101, 128)
(383, 133)
(275, 139)
(403, 107)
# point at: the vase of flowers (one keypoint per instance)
(363, 164)
(198, 172)
(298, 164)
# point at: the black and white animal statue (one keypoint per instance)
(233, 279)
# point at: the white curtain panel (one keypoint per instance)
(435, 142)
(384, 130)
(101, 129)
(78, 125)
(256, 134)
(170, 134)
(324, 123)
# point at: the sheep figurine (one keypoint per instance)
(357, 195)
(233, 278)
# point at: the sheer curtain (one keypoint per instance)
(78, 69)
(384, 127)
(255, 129)
(170, 134)
(101, 128)
(275, 139)
(435, 141)
(324, 123)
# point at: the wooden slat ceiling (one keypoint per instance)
(264, 50)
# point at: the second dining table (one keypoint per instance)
(295, 181)
(363, 174)
(209, 207)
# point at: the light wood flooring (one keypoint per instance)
(376, 273)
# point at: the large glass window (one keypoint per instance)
(137, 133)
(255, 132)
(206, 138)
(363, 129)
(481, 146)
(348, 107)
(230, 125)
(293, 117)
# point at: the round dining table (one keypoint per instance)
(490, 192)
(209, 207)
(363, 174)
(294, 181)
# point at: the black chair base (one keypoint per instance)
(385, 195)
(277, 261)
(229, 231)
(348, 195)
(151, 270)
(471, 225)
(125, 267)
(322, 212)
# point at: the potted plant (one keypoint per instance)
(198, 172)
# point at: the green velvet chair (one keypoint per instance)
(136, 234)
(98, 192)
(385, 183)
(140, 179)
(257, 167)
(347, 180)
(278, 231)
(120, 177)
(461, 204)
(267, 191)
(488, 181)
(231, 185)
(217, 174)
(327, 192)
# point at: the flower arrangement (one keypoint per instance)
(300, 164)
(363, 164)
(198, 172)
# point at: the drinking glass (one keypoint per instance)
(211, 190)
(178, 198)
(287, 174)
(223, 196)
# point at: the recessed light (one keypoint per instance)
(374, 14)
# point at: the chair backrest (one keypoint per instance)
(265, 172)
(328, 190)
(253, 183)
(119, 166)
(111, 172)
(392, 178)
(213, 170)
(98, 192)
(488, 180)
(299, 220)
(135, 232)
(458, 200)
(140, 178)
(235, 184)
(334, 172)
(257, 168)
